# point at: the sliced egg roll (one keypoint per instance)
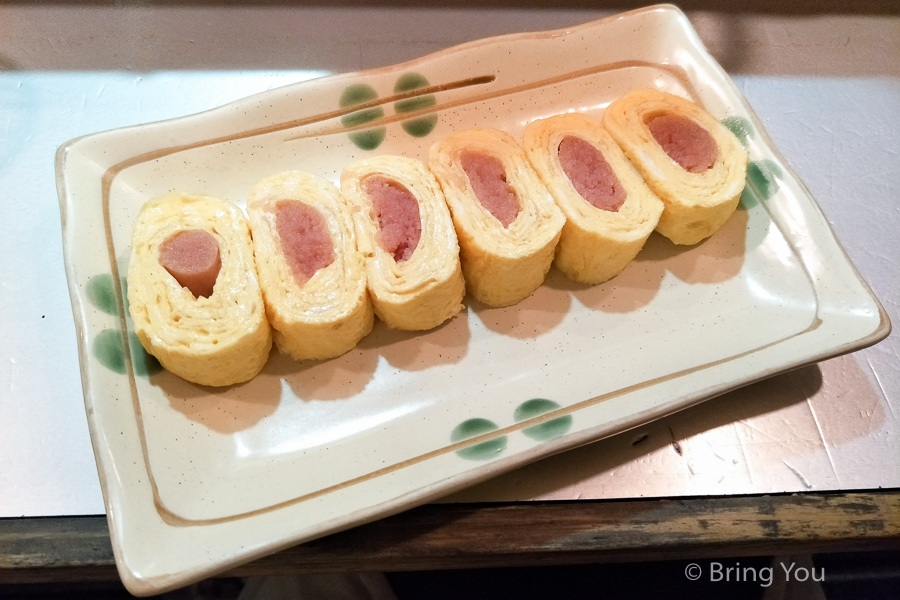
(193, 292)
(695, 164)
(610, 212)
(507, 223)
(405, 231)
(310, 268)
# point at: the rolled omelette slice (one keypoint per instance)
(406, 233)
(610, 212)
(219, 340)
(310, 268)
(695, 164)
(507, 223)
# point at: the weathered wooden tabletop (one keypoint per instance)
(448, 536)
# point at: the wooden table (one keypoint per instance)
(454, 536)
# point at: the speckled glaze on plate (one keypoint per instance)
(197, 480)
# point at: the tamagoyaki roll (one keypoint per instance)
(610, 212)
(507, 223)
(193, 291)
(311, 270)
(406, 234)
(695, 164)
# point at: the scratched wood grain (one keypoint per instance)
(449, 536)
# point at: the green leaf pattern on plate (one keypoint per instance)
(363, 94)
(474, 427)
(100, 292)
(421, 126)
(740, 127)
(530, 409)
(108, 346)
(762, 175)
(547, 430)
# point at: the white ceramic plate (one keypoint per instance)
(198, 480)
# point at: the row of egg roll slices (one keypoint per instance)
(330, 260)
(585, 194)
(405, 241)
(308, 268)
(654, 162)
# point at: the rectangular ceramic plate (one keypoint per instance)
(198, 480)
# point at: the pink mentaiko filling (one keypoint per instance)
(397, 211)
(192, 257)
(686, 142)
(304, 237)
(488, 179)
(590, 174)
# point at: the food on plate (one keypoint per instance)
(218, 339)
(695, 164)
(406, 234)
(507, 223)
(311, 270)
(405, 241)
(610, 212)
